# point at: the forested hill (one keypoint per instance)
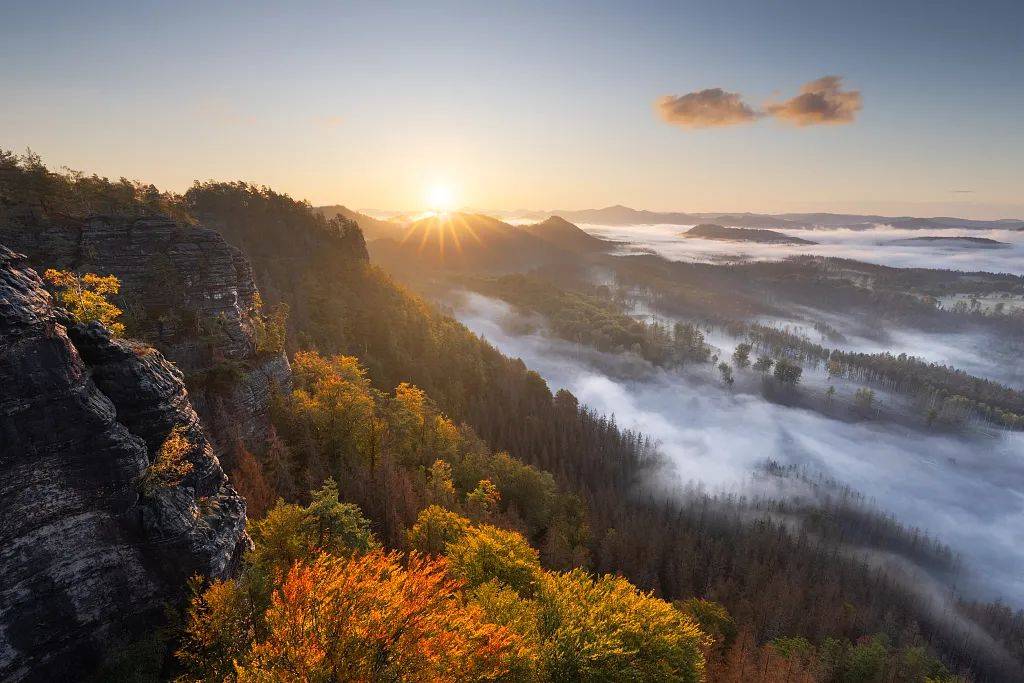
(482, 434)
(770, 578)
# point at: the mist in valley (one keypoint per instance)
(881, 245)
(963, 487)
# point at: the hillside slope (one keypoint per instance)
(563, 234)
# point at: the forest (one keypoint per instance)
(597, 316)
(427, 505)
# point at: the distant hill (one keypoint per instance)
(624, 215)
(373, 228)
(968, 242)
(561, 233)
(711, 231)
(464, 241)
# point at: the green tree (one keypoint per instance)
(726, 371)
(763, 364)
(787, 372)
(864, 400)
(741, 356)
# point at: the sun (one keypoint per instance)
(440, 199)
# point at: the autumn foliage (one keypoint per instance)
(85, 297)
(372, 618)
(320, 601)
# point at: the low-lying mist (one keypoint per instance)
(877, 245)
(964, 489)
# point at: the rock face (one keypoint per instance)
(184, 290)
(88, 554)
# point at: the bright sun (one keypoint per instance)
(440, 199)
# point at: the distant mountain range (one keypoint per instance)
(624, 215)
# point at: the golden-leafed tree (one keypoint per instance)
(85, 297)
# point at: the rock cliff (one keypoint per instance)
(91, 544)
(185, 291)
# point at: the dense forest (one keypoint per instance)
(484, 497)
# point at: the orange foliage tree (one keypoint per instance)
(369, 618)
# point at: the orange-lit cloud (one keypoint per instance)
(822, 101)
(711, 108)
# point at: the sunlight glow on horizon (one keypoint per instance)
(440, 199)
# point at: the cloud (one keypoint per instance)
(820, 102)
(962, 191)
(709, 108)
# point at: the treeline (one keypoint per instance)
(946, 393)
(718, 293)
(395, 453)
(27, 186)
(597, 319)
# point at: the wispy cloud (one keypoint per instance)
(822, 101)
(711, 108)
(962, 191)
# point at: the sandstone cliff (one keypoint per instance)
(185, 291)
(87, 553)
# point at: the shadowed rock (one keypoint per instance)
(87, 554)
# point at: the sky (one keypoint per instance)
(534, 105)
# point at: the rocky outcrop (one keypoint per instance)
(91, 545)
(185, 291)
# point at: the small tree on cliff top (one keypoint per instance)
(85, 297)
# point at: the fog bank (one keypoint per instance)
(871, 246)
(966, 490)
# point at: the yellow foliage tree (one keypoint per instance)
(270, 328)
(85, 297)
(408, 420)
(435, 528)
(335, 405)
(171, 463)
(439, 483)
(487, 552)
(605, 629)
(482, 502)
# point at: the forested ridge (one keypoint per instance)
(597, 316)
(405, 409)
(677, 548)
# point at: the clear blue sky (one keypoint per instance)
(526, 105)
